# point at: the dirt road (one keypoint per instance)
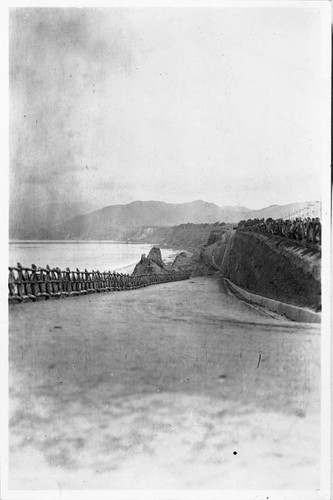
(178, 385)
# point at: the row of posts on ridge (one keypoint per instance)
(307, 230)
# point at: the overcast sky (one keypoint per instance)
(110, 106)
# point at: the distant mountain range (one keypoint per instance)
(41, 221)
(71, 221)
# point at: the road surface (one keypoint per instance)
(178, 385)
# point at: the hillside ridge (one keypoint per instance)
(114, 221)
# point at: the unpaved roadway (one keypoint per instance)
(177, 385)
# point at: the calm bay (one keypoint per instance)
(97, 255)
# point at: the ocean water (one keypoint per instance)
(96, 255)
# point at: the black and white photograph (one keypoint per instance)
(168, 248)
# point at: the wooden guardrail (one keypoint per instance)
(32, 283)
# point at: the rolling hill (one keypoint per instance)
(113, 221)
(116, 221)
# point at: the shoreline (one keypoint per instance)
(106, 255)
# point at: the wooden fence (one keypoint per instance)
(32, 283)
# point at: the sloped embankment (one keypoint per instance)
(275, 267)
(214, 254)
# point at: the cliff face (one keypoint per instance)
(276, 267)
(213, 254)
(271, 266)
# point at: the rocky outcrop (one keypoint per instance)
(153, 264)
(184, 261)
(156, 257)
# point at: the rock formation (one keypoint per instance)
(156, 257)
(152, 264)
(184, 261)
